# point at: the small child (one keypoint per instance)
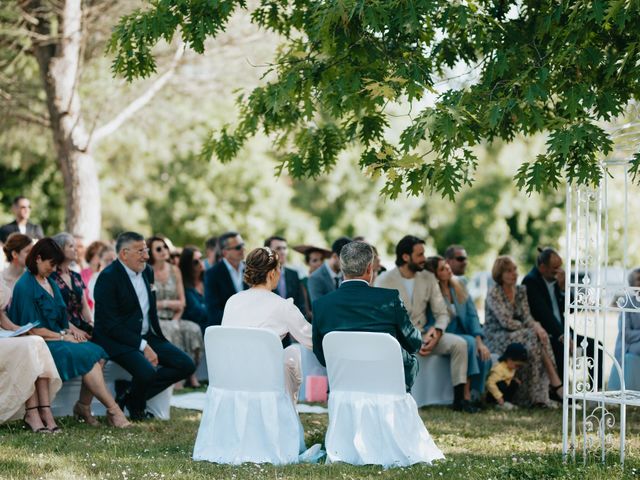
(501, 382)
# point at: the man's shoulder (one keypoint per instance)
(388, 278)
(108, 273)
(291, 272)
(320, 274)
(426, 276)
(215, 270)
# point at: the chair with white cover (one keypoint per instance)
(248, 414)
(372, 420)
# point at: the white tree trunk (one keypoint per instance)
(59, 62)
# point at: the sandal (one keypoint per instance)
(55, 429)
(553, 393)
(28, 425)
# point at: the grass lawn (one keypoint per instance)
(524, 444)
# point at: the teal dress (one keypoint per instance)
(32, 303)
(465, 323)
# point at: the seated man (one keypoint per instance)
(126, 326)
(546, 294)
(357, 307)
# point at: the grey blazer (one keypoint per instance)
(320, 283)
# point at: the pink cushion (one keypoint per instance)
(316, 388)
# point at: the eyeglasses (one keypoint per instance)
(196, 261)
(159, 248)
(281, 249)
(460, 259)
(237, 247)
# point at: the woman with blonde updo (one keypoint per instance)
(261, 308)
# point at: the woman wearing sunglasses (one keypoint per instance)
(184, 334)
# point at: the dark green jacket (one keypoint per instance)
(357, 307)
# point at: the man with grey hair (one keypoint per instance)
(126, 326)
(356, 306)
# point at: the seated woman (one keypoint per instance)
(16, 250)
(508, 320)
(72, 287)
(631, 333)
(92, 259)
(28, 379)
(106, 255)
(463, 322)
(184, 334)
(192, 270)
(261, 308)
(37, 298)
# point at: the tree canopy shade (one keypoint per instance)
(562, 67)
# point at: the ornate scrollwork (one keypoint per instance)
(584, 380)
(596, 426)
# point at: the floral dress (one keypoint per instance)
(506, 323)
(184, 334)
(72, 296)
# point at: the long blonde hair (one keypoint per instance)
(432, 265)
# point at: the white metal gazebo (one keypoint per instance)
(598, 247)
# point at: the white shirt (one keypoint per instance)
(236, 275)
(263, 309)
(143, 298)
(409, 283)
(22, 229)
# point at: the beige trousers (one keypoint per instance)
(293, 370)
(454, 346)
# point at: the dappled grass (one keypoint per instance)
(525, 444)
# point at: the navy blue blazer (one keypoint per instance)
(118, 316)
(218, 288)
(540, 303)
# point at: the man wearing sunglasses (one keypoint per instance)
(456, 257)
(21, 208)
(225, 278)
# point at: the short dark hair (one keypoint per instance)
(16, 242)
(259, 263)
(308, 252)
(224, 238)
(516, 352)
(45, 249)
(149, 241)
(544, 255)
(211, 243)
(267, 242)
(17, 199)
(125, 238)
(450, 252)
(187, 266)
(405, 247)
(339, 243)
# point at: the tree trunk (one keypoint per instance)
(59, 60)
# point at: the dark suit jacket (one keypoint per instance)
(118, 316)
(320, 283)
(357, 307)
(218, 288)
(294, 287)
(33, 230)
(540, 303)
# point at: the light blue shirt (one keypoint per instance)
(143, 298)
(236, 275)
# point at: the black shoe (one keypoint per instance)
(553, 393)
(123, 388)
(465, 406)
(140, 416)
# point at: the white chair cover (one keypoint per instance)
(432, 385)
(372, 420)
(248, 416)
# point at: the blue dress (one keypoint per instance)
(32, 303)
(466, 324)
